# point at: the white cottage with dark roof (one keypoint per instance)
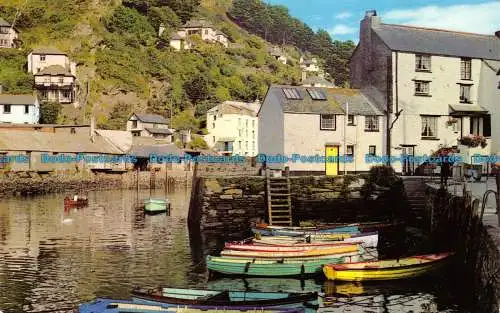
(8, 35)
(311, 122)
(443, 83)
(19, 109)
(149, 125)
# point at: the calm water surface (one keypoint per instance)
(51, 259)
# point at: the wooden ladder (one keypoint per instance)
(279, 200)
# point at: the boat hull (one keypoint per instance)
(156, 206)
(385, 269)
(291, 253)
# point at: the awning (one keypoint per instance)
(467, 109)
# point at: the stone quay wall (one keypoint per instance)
(458, 225)
(23, 183)
(226, 207)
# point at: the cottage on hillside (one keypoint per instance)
(278, 54)
(55, 75)
(8, 35)
(19, 109)
(309, 122)
(200, 27)
(233, 128)
(443, 83)
(149, 125)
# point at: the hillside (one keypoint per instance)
(123, 66)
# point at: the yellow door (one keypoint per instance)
(332, 166)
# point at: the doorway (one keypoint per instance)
(332, 164)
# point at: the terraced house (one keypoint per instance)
(443, 83)
(319, 122)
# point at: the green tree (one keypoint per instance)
(118, 117)
(197, 143)
(49, 112)
(197, 89)
(185, 120)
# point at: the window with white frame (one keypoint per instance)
(327, 122)
(371, 123)
(429, 126)
(465, 68)
(422, 87)
(422, 62)
(465, 93)
(349, 150)
(350, 120)
(372, 150)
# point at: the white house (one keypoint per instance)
(202, 28)
(55, 75)
(434, 78)
(149, 125)
(8, 35)
(233, 128)
(278, 54)
(305, 124)
(19, 109)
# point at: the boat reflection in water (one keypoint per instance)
(400, 297)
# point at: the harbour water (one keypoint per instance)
(52, 259)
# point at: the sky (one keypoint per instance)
(341, 17)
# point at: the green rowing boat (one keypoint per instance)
(156, 206)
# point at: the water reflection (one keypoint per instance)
(52, 259)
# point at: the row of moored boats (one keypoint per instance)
(345, 252)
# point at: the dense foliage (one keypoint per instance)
(274, 23)
(49, 112)
(13, 77)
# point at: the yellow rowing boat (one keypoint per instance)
(385, 269)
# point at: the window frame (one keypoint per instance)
(26, 109)
(9, 111)
(43, 57)
(374, 153)
(349, 147)
(323, 117)
(353, 122)
(463, 87)
(422, 62)
(434, 124)
(465, 71)
(422, 83)
(368, 118)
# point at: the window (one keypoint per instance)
(429, 126)
(421, 87)
(72, 130)
(240, 132)
(61, 80)
(42, 57)
(465, 94)
(316, 94)
(475, 126)
(215, 118)
(465, 68)
(213, 125)
(239, 144)
(26, 109)
(46, 80)
(206, 31)
(253, 133)
(372, 150)
(292, 94)
(67, 94)
(134, 124)
(487, 126)
(44, 95)
(4, 30)
(6, 108)
(371, 124)
(457, 126)
(327, 122)
(350, 120)
(422, 63)
(350, 150)
(246, 145)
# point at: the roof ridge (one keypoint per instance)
(437, 29)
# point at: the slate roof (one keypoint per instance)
(467, 108)
(17, 99)
(234, 107)
(4, 22)
(47, 50)
(437, 41)
(21, 140)
(164, 131)
(144, 151)
(334, 103)
(54, 70)
(151, 118)
(120, 139)
(197, 24)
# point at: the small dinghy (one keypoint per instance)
(156, 206)
(76, 201)
(385, 269)
(250, 299)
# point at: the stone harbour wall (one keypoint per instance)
(457, 225)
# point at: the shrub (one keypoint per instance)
(49, 112)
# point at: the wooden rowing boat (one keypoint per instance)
(283, 231)
(284, 248)
(271, 253)
(385, 269)
(364, 239)
(272, 268)
(101, 305)
(194, 298)
(75, 202)
(156, 206)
